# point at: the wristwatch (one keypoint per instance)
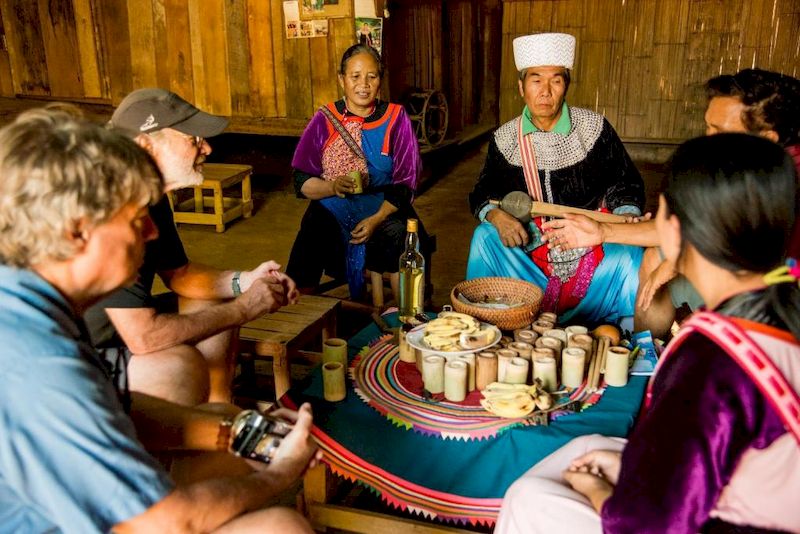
(224, 433)
(237, 289)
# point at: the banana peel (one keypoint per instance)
(514, 401)
(454, 331)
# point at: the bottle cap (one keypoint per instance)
(411, 225)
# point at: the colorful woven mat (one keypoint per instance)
(394, 389)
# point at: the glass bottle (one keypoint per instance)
(412, 276)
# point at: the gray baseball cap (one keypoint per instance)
(150, 110)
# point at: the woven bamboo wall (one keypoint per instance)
(642, 63)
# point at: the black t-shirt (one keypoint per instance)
(162, 254)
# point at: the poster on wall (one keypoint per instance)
(301, 29)
(369, 32)
(328, 9)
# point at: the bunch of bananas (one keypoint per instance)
(514, 400)
(445, 332)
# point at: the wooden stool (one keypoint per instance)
(217, 177)
(278, 335)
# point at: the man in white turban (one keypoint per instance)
(564, 155)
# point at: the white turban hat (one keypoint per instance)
(544, 49)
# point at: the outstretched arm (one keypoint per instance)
(573, 231)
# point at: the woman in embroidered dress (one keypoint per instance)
(718, 445)
(341, 232)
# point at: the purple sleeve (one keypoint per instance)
(308, 154)
(706, 412)
(407, 164)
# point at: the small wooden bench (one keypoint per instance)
(281, 334)
(217, 177)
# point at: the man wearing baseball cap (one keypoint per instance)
(180, 355)
(564, 155)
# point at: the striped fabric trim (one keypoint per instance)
(393, 112)
(750, 357)
(529, 167)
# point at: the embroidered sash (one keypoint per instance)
(769, 379)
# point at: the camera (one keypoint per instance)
(256, 436)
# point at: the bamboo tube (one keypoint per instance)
(485, 369)
(470, 359)
(405, 350)
(602, 347)
(335, 350)
(433, 373)
(541, 326)
(455, 380)
(333, 387)
(517, 371)
(573, 362)
(525, 336)
(581, 341)
(574, 330)
(504, 357)
(550, 317)
(544, 368)
(523, 349)
(616, 370)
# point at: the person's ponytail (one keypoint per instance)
(784, 301)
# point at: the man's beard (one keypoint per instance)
(180, 174)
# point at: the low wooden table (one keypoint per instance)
(217, 177)
(278, 335)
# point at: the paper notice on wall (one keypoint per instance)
(365, 8)
(302, 29)
(291, 18)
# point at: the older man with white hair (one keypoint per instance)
(179, 354)
(565, 155)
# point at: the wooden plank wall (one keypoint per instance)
(231, 57)
(450, 46)
(642, 63)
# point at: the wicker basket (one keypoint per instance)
(495, 287)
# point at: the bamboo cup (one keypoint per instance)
(544, 368)
(504, 357)
(540, 326)
(525, 336)
(559, 334)
(574, 330)
(581, 341)
(543, 351)
(433, 373)
(573, 361)
(505, 341)
(617, 366)
(455, 380)
(333, 388)
(405, 350)
(549, 317)
(485, 369)
(470, 359)
(551, 343)
(523, 349)
(335, 350)
(517, 371)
